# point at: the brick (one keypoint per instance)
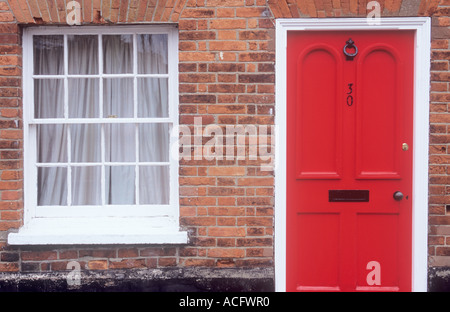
(257, 78)
(8, 225)
(255, 99)
(226, 231)
(157, 252)
(197, 13)
(128, 253)
(225, 191)
(440, 97)
(187, 25)
(199, 262)
(225, 12)
(226, 171)
(127, 264)
(443, 251)
(6, 17)
(229, 3)
(252, 242)
(249, 12)
(227, 78)
(98, 265)
(4, 6)
(255, 221)
(227, 24)
(198, 221)
(187, 46)
(197, 98)
(167, 262)
(197, 35)
(68, 254)
(12, 205)
(227, 45)
(194, 56)
(225, 67)
(256, 57)
(256, 181)
(9, 60)
(38, 255)
(226, 253)
(197, 78)
(439, 220)
(98, 253)
(259, 252)
(11, 215)
(226, 88)
(197, 201)
(9, 267)
(440, 65)
(440, 44)
(254, 35)
(9, 256)
(30, 267)
(10, 113)
(226, 242)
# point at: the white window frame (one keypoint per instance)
(422, 28)
(112, 224)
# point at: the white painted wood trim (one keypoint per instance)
(112, 230)
(422, 27)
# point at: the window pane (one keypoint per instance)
(48, 98)
(153, 142)
(48, 54)
(117, 54)
(152, 97)
(120, 143)
(51, 143)
(52, 186)
(86, 143)
(120, 185)
(118, 100)
(83, 98)
(83, 54)
(152, 54)
(154, 185)
(86, 185)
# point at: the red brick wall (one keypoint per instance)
(226, 77)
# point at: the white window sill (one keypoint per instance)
(75, 231)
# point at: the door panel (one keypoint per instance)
(348, 122)
(318, 83)
(378, 123)
(318, 233)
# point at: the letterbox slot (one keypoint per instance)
(348, 195)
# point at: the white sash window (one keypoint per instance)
(99, 107)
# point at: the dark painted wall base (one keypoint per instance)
(156, 280)
(169, 280)
(439, 279)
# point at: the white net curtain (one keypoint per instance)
(95, 157)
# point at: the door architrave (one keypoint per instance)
(422, 28)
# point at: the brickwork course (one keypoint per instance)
(226, 77)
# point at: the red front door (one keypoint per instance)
(349, 160)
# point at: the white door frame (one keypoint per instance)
(422, 27)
